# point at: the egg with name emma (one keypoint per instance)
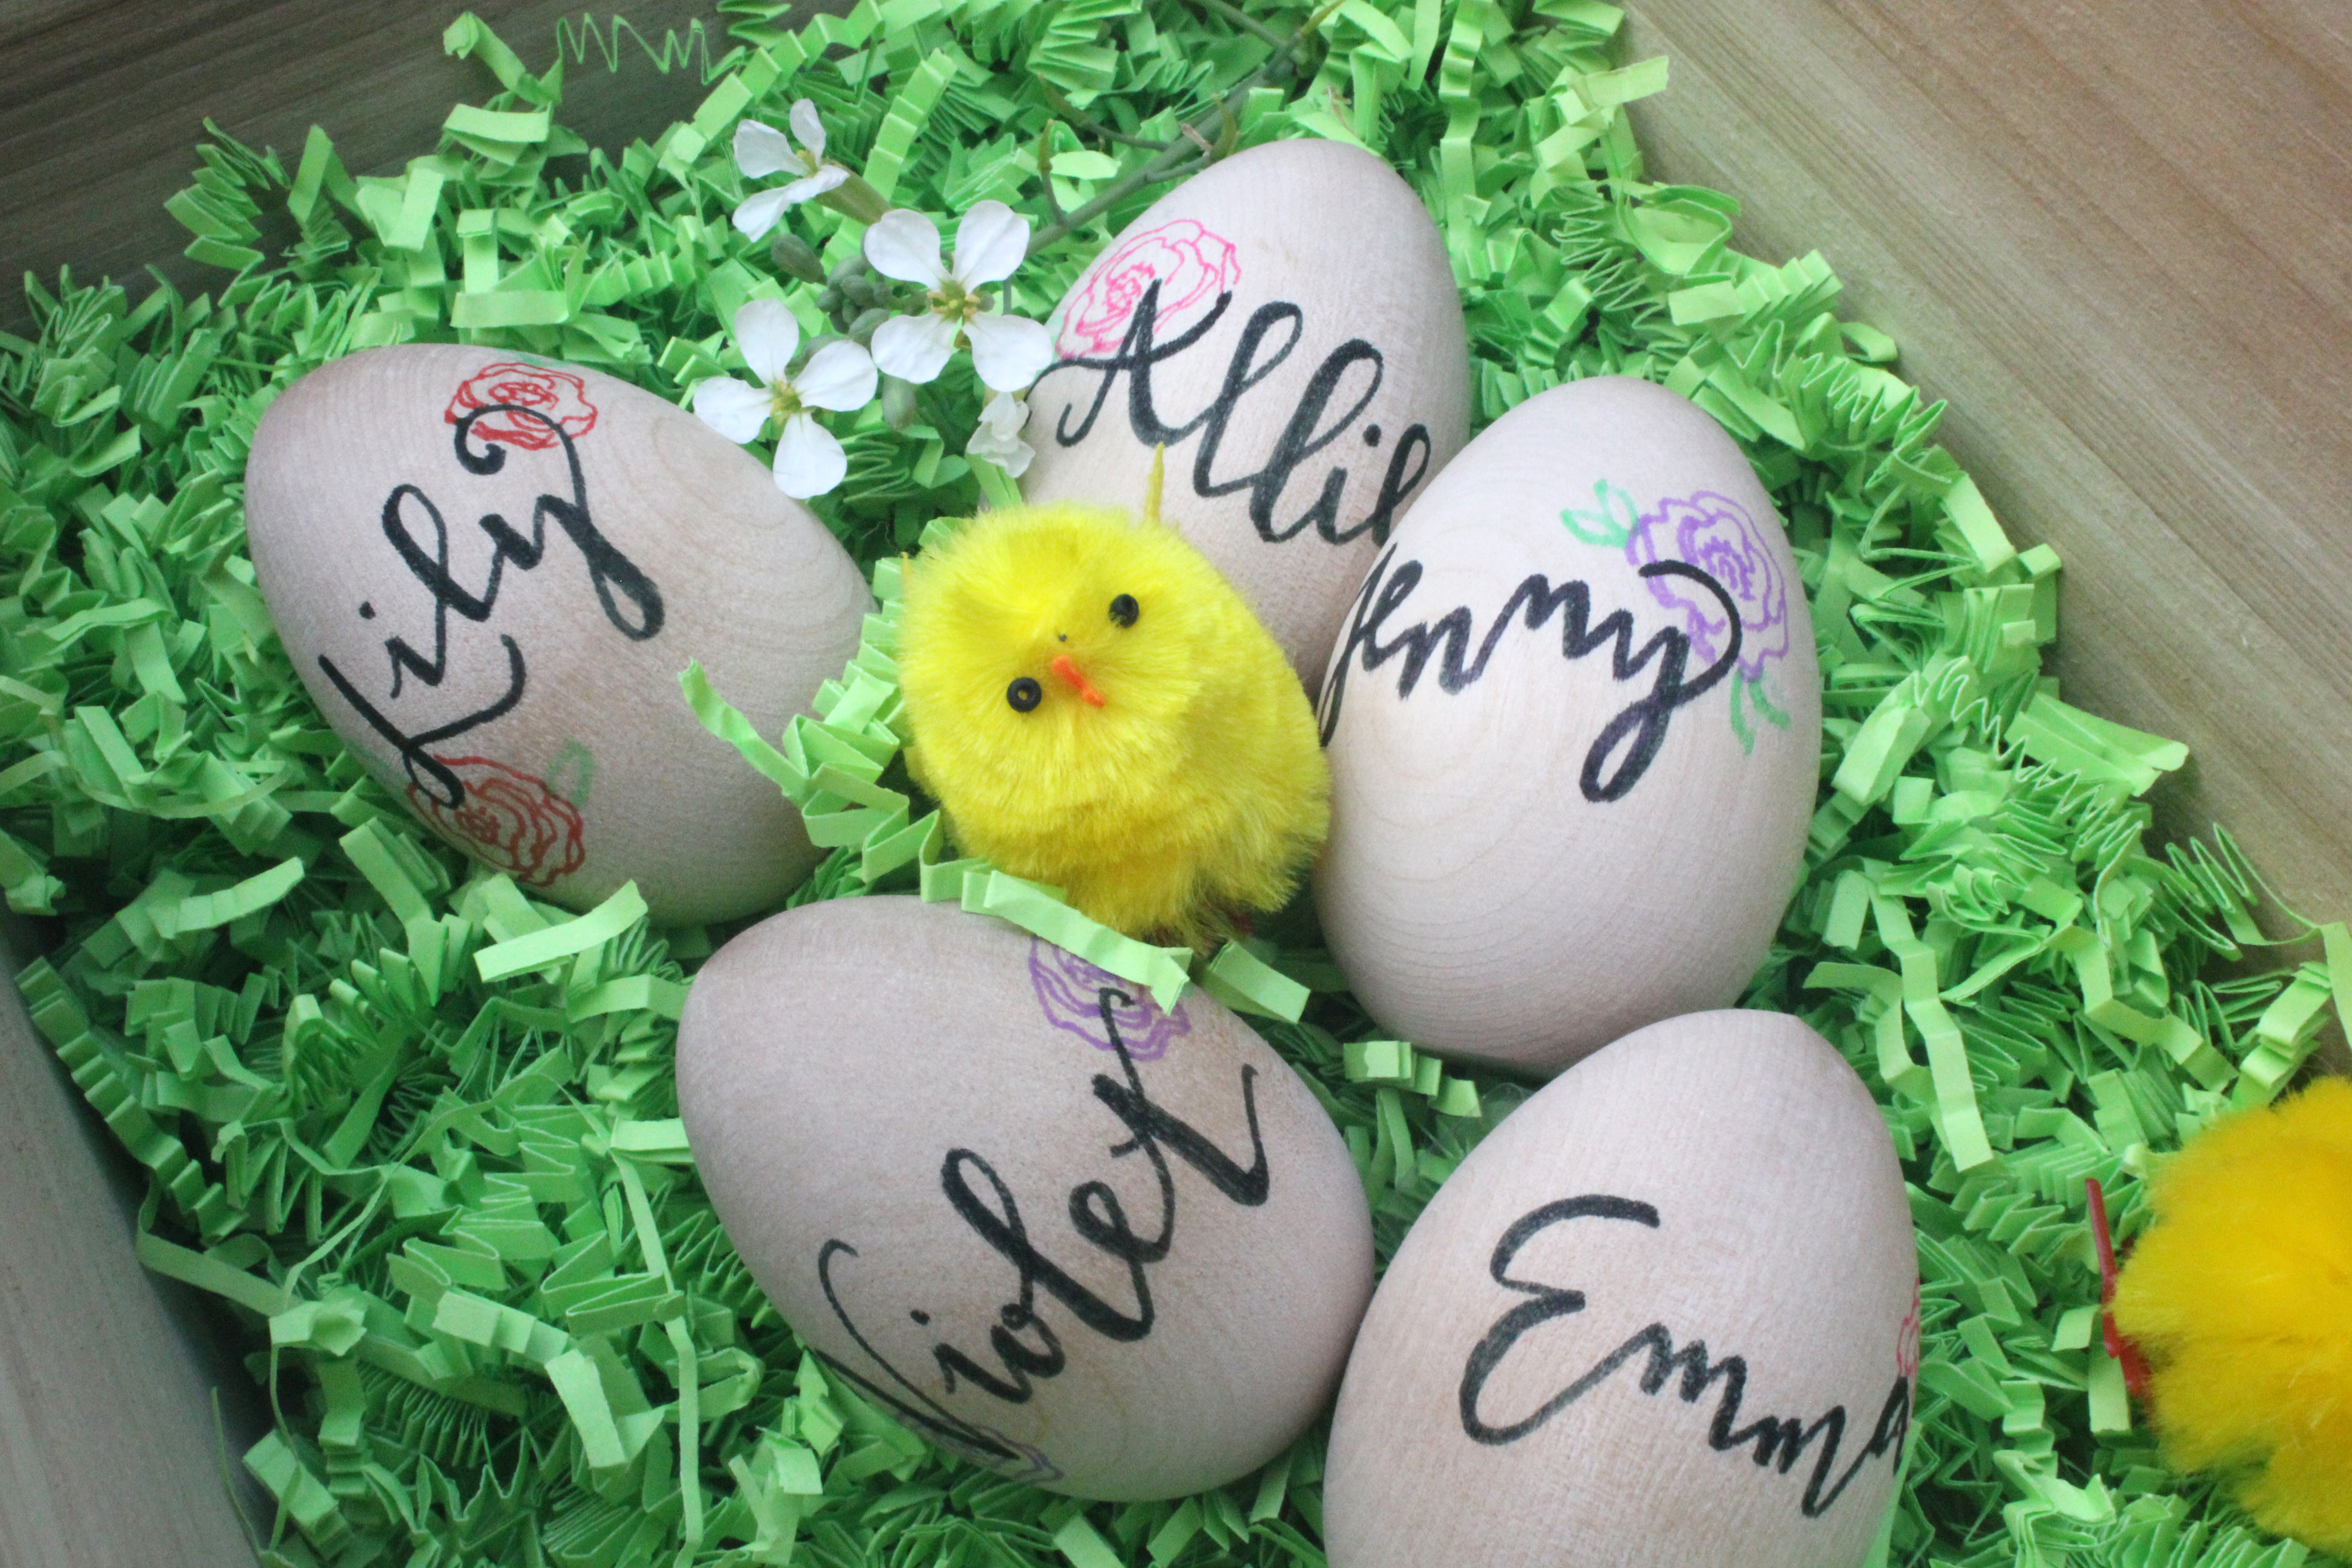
(1574, 728)
(489, 570)
(1666, 1316)
(1286, 323)
(1109, 1249)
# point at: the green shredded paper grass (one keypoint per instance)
(417, 1131)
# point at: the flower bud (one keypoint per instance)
(863, 328)
(793, 256)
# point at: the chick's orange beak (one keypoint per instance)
(1067, 668)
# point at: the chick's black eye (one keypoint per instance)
(1024, 694)
(1124, 609)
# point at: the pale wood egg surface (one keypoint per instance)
(490, 571)
(1119, 1257)
(1566, 799)
(1303, 360)
(1666, 1316)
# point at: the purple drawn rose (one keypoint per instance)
(1070, 991)
(1715, 534)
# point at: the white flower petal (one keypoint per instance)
(734, 410)
(762, 150)
(809, 461)
(1009, 352)
(989, 243)
(808, 127)
(757, 216)
(905, 245)
(998, 438)
(768, 335)
(839, 376)
(815, 185)
(914, 348)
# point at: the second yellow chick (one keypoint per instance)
(1095, 707)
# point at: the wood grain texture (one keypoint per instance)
(2111, 233)
(106, 100)
(107, 1373)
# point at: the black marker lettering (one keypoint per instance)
(991, 1213)
(1639, 729)
(1773, 1442)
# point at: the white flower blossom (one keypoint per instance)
(839, 376)
(998, 438)
(762, 150)
(1009, 352)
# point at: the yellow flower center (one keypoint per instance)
(957, 303)
(784, 402)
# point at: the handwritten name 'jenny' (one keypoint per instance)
(1640, 727)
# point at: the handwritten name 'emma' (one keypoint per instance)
(631, 601)
(1023, 1347)
(1266, 340)
(1626, 745)
(1776, 1442)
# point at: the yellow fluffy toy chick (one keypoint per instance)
(2241, 1296)
(1093, 706)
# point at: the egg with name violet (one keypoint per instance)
(489, 570)
(1573, 721)
(1113, 1250)
(1666, 1316)
(1286, 323)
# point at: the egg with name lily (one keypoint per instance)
(1573, 722)
(1111, 1250)
(1666, 1316)
(488, 569)
(1286, 324)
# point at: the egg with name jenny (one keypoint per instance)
(1286, 323)
(1666, 1316)
(1108, 1249)
(489, 570)
(1573, 722)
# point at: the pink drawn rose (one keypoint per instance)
(1070, 990)
(1906, 1340)
(1192, 266)
(510, 819)
(1715, 534)
(532, 402)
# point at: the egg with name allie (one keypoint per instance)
(1666, 1316)
(1111, 1250)
(1573, 721)
(489, 570)
(1286, 323)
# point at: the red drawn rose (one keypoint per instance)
(1192, 265)
(552, 397)
(507, 818)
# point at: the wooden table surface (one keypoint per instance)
(2115, 234)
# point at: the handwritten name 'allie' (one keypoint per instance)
(1772, 1441)
(1639, 729)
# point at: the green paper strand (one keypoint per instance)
(417, 1131)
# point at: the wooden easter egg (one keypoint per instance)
(1574, 727)
(1116, 1251)
(1666, 1316)
(490, 571)
(1287, 324)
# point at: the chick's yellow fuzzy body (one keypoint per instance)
(2240, 1294)
(1095, 707)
